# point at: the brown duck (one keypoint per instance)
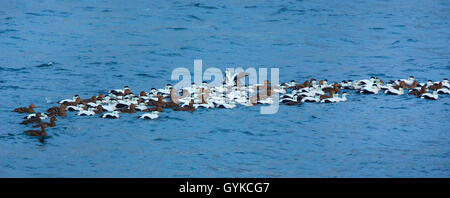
(99, 109)
(419, 93)
(160, 100)
(413, 85)
(336, 88)
(100, 97)
(77, 101)
(402, 84)
(93, 99)
(57, 111)
(327, 96)
(29, 109)
(128, 110)
(159, 108)
(46, 124)
(435, 86)
(170, 104)
(124, 93)
(39, 133)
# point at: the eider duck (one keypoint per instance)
(296, 100)
(393, 91)
(370, 81)
(371, 89)
(389, 85)
(159, 108)
(141, 105)
(93, 99)
(301, 86)
(408, 81)
(413, 85)
(78, 107)
(170, 104)
(89, 112)
(69, 100)
(419, 93)
(74, 103)
(29, 109)
(34, 115)
(331, 92)
(336, 88)
(111, 106)
(429, 96)
(445, 83)
(311, 99)
(291, 84)
(100, 97)
(346, 84)
(436, 86)
(335, 98)
(111, 115)
(443, 91)
(288, 99)
(120, 91)
(46, 124)
(98, 109)
(166, 89)
(57, 111)
(39, 133)
(128, 110)
(150, 116)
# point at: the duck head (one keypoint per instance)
(153, 91)
(132, 106)
(307, 84)
(402, 84)
(100, 97)
(78, 100)
(62, 107)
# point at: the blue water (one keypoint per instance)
(98, 46)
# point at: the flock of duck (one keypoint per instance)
(228, 95)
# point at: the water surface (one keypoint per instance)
(96, 46)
